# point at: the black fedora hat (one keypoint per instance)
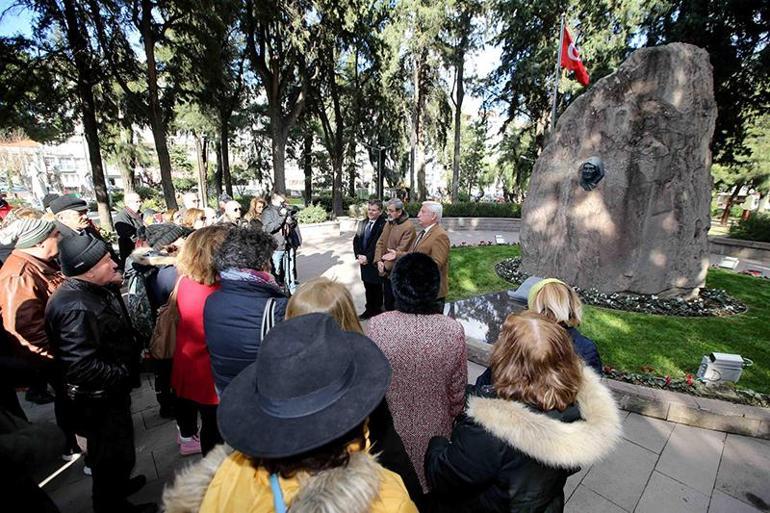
(311, 383)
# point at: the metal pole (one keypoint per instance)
(557, 73)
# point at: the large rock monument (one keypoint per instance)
(643, 229)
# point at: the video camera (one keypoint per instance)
(289, 210)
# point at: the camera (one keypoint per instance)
(290, 210)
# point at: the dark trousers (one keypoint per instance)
(387, 292)
(163, 392)
(107, 425)
(373, 297)
(187, 419)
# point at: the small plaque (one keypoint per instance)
(499, 239)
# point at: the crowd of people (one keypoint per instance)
(294, 404)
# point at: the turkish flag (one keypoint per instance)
(570, 59)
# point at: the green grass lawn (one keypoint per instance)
(629, 341)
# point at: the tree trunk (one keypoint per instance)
(415, 121)
(85, 81)
(307, 158)
(460, 68)
(726, 213)
(279, 154)
(155, 115)
(127, 166)
(224, 138)
(337, 162)
(218, 173)
(202, 170)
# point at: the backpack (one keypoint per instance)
(138, 302)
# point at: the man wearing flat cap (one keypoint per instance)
(98, 357)
(71, 215)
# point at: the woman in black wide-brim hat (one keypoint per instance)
(297, 421)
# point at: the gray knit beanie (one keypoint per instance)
(25, 233)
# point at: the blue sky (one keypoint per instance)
(14, 20)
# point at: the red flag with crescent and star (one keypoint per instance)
(570, 59)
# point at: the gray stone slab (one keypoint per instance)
(691, 456)
(574, 481)
(474, 371)
(723, 503)
(664, 494)
(745, 470)
(648, 432)
(585, 500)
(707, 419)
(622, 477)
(73, 498)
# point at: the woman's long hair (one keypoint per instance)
(196, 258)
(325, 296)
(533, 362)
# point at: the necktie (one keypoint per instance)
(419, 238)
(368, 232)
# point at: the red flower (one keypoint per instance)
(690, 380)
(668, 380)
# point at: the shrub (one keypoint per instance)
(358, 211)
(756, 228)
(312, 214)
(473, 209)
(325, 201)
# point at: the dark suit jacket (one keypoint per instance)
(369, 272)
(126, 226)
(435, 244)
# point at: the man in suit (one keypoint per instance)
(127, 224)
(396, 239)
(364, 245)
(432, 240)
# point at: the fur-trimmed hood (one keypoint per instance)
(146, 256)
(350, 489)
(549, 440)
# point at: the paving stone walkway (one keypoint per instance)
(659, 466)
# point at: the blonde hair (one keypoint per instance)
(190, 216)
(533, 361)
(252, 213)
(326, 296)
(559, 302)
(196, 258)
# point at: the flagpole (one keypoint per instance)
(557, 72)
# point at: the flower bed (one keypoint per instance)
(710, 303)
(691, 385)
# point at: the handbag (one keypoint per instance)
(163, 340)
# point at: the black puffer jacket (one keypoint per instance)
(507, 457)
(96, 349)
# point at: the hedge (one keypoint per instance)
(756, 228)
(473, 209)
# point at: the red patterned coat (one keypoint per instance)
(430, 371)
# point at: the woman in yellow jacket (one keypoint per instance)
(296, 420)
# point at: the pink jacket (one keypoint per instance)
(430, 371)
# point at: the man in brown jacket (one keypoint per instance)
(396, 239)
(432, 240)
(27, 280)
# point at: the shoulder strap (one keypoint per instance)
(268, 317)
(278, 504)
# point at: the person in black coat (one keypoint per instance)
(518, 441)
(128, 222)
(234, 316)
(98, 357)
(364, 245)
